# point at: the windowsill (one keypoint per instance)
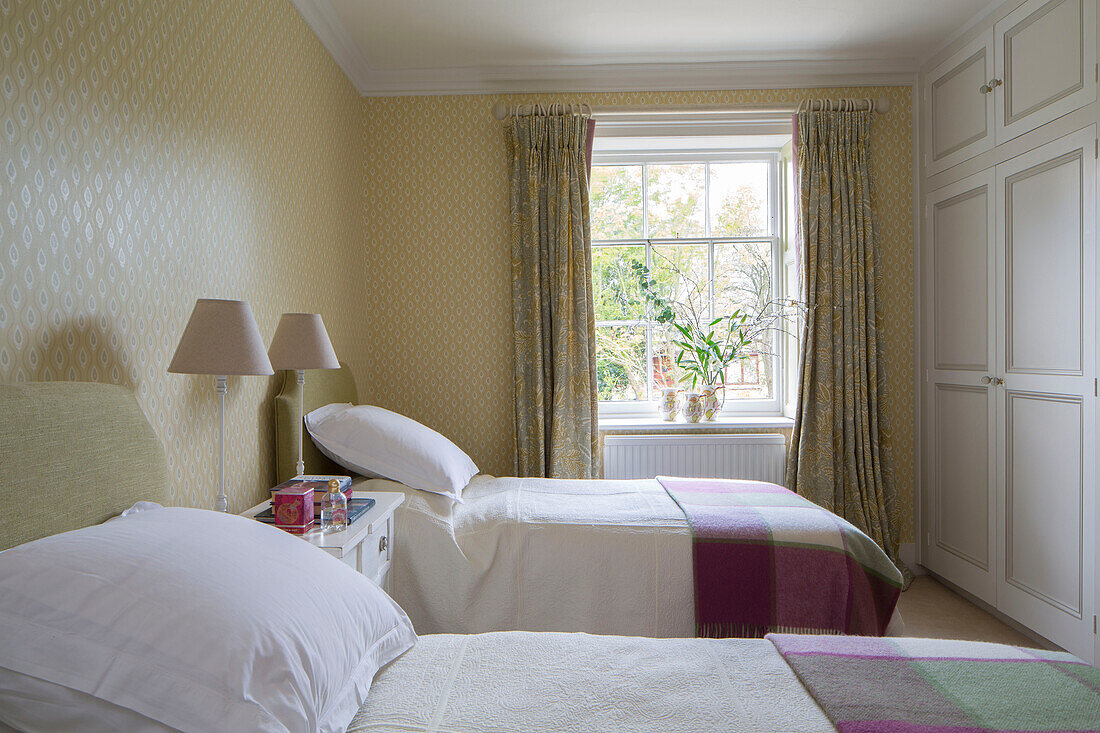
(653, 422)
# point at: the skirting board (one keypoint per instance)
(1010, 622)
(907, 552)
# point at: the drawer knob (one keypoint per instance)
(383, 544)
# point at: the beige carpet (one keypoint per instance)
(930, 609)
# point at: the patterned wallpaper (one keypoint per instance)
(436, 295)
(157, 151)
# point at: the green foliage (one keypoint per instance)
(614, 287)
(705, 351)
(620, 350)
(676, 200)
(739, 215)
(615, 202)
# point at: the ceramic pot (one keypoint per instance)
(714, 396)
(669, 406)
(694, 406)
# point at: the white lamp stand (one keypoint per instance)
(222, 502)
(220, 339)
(300, 375)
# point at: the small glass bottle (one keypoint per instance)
(334, 509)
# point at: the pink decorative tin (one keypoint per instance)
(293, 508)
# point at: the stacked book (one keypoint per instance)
(296, 504)
(319, 484)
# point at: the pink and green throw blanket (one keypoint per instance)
(869, 685)
(766, 559)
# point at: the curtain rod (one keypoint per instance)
(502, 110)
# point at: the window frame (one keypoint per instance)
(773, 406)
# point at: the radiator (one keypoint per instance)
(757, 457)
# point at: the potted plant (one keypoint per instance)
(706, 349)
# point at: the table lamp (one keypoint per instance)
(221, 339)
(301, 343)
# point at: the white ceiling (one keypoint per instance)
(425, 46)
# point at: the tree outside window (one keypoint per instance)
(706, 233)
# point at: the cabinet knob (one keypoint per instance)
(990, 86)
(986, 379)
(998, 380)
(383, 544)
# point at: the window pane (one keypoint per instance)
(620, 362)
(665, 373)
(614, 284)
(750, 378)
(681, 274)
(743, 277)
(739, 199)
(615, 202)
(675, 200)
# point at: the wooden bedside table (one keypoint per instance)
(367, 544)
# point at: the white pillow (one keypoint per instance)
(31, 705)
(378, 443)
(199, 621)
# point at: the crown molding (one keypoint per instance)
(612, 77)
(319, 16)
(776, 74)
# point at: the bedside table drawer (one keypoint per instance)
(367, 545)
(376, 549)
(351, 559)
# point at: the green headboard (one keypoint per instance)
(323, 387)
(86, 449)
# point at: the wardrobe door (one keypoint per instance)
(1046, 59)
(960, 109)
(1046, 446)
(959, 477)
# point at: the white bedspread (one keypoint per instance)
(515, 550)
(570, 683)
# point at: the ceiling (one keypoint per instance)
(440, 46)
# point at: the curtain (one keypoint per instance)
(557, 432)
(837, 458)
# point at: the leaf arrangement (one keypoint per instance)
(705, 351)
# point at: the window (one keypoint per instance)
(707, 227)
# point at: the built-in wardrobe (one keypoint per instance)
(1008, 316)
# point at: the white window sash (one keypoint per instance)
(758, 407)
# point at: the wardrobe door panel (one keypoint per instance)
(1044, 250)
(1046, 57)
(1044, 496)
(958, 269)
(960, 238)
(963, 497)
(1046, 404)
(960, 113)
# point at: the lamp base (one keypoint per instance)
(221, 504)
(300, 375)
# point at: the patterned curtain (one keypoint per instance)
(836, 457)
(557, 432)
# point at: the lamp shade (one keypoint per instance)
(221, 338)
(301, 342)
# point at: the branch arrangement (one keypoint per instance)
(707, 350)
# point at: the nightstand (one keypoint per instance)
(367, 544)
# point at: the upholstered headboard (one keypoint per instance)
(85, 450)
(323, 387)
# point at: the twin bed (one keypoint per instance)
(611, 557)
(68, 437)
